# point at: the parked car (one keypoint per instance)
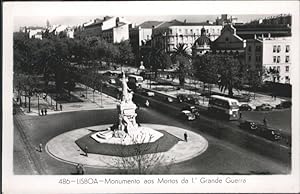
(187, 115)
(185, 97)
(194, 99)
(245, 107)
(192, 109)
(284, 104)
(264, 107)
(242, 97)
(149, 93)
(249, 125)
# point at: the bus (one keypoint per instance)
(224, 107)
(137, 80)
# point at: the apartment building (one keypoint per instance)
(140, 37)
(263, 48)
(170, 34)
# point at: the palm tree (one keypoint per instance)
(182, 58)
(229, 73)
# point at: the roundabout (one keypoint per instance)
(126, 144)
(174, 150)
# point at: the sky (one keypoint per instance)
(20, 21)
(75, 12)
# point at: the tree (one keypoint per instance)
(157, 59)
(183, 61)
(230, 73)
(126, 55)
(254, 79)
(224, 69)
(206, 69)
(139, 160)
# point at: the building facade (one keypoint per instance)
(169, 35)
(110, 28)
(33, 32)
(276, 59)
(140, 37)
(264, 50)
(116, 34)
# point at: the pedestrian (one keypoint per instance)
(86, 151)
(82, 170)
(45, 111)
(60, 106)
(185, 136)
(265, 121)
(42, 111)
(40, 147)
(78, 168)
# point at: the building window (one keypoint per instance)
(213, 31)
(197, 30)
(287, 59)
(274, 59)
(287, 68)
(186, 31)
(207, 31)
(287, 48)
(258, 48)
(278, 48)
(179, 30)
(191, 31)
(257, 58)
(274, 49)
(278, 69)
(278, 59)
(249, 48)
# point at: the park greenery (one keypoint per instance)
(56, 62)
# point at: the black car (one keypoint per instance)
(183, 97)
(249, 125)
(284, 104)
(245, 107)
(268, 133)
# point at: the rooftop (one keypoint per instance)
(180, 23)
(149, 24)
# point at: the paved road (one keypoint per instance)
(220, 158)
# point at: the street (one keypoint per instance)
(221, 157)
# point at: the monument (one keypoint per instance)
(126, 130)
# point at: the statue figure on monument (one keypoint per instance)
(126, 108)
